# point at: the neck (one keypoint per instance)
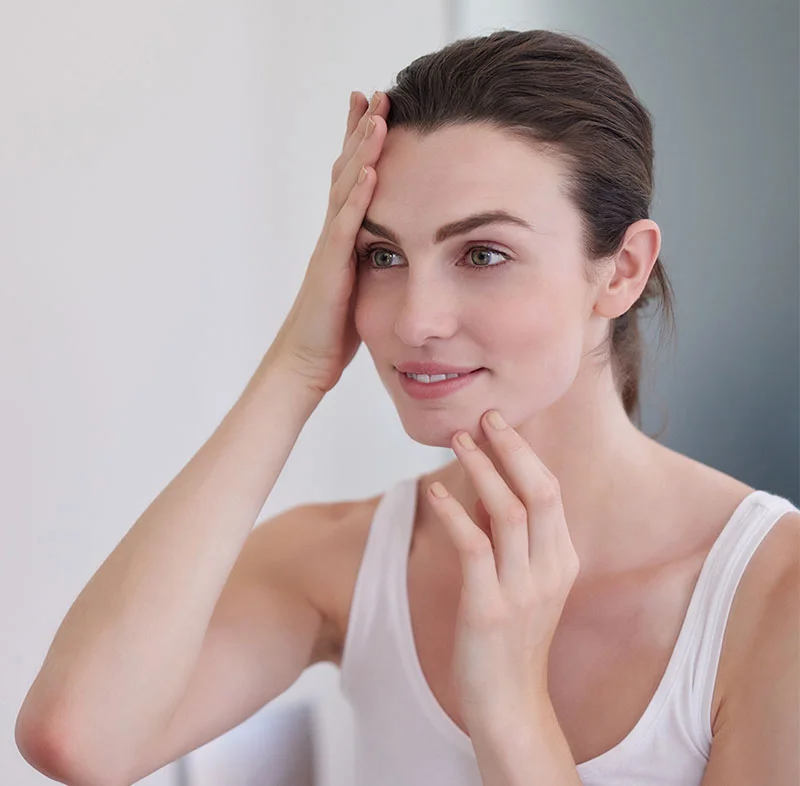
(609, 472)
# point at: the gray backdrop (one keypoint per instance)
(721, 81)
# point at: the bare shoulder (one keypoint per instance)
(773, 571)
(764, 628)
(316, 550)
(712, 497)
(774, 562)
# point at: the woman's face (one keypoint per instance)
(510, 299)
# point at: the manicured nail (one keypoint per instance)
(466, 440)
(496, 421)
(438, 490)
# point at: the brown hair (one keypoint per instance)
(569, 100)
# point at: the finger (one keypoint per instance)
(346, 224)
(378, 106)
(367, 155)
(508, 515)
(356, 123)
(358, 105)
(478, 566)
(535, 486)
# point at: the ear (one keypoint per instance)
(630, 269)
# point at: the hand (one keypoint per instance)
(515, 581)
(318, 338)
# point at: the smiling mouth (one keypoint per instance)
(439, 376)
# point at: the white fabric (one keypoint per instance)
(403, 737)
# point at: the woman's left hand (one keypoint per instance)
(515, 583)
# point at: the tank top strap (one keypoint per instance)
(723, 570)
(379, 575)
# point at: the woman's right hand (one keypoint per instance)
(318, 338)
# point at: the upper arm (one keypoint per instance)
(757, 735)
(263, 633)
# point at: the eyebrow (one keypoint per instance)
(460, 227)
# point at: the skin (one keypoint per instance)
(533, 323)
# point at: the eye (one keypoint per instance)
(364, 255)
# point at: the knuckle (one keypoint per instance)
(477, 548)
(547, 494)
(517, 514)
(516, 449)
(517, 446)
(556, 581)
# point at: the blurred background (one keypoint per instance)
(164, 175)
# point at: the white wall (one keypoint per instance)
(163, 179)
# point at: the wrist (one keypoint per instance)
(276, 379)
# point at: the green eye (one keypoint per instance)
(365, 255)
(484, 250)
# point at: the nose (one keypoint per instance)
(427, 311)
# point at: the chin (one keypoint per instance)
(435, 428)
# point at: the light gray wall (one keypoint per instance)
(164, 175)
(721, 80)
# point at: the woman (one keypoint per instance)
(584, 605)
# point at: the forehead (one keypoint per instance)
(460, 169)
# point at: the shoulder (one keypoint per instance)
(778, 570)
(755, 733)
(774, 563)
(764, 612)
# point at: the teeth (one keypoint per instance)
(427, 378)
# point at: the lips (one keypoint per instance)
(434, 390)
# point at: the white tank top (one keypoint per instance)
(403, 736)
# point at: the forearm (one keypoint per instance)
(123, 655)
(533, 752)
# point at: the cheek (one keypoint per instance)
(538, 346)
(527, 325)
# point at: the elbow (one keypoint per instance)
(43, 747)
(44, 743)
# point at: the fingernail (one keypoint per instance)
(496, 421)
(466, 440)
(438, 490)
(374, 101)
(352, 99)
(370, 127)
